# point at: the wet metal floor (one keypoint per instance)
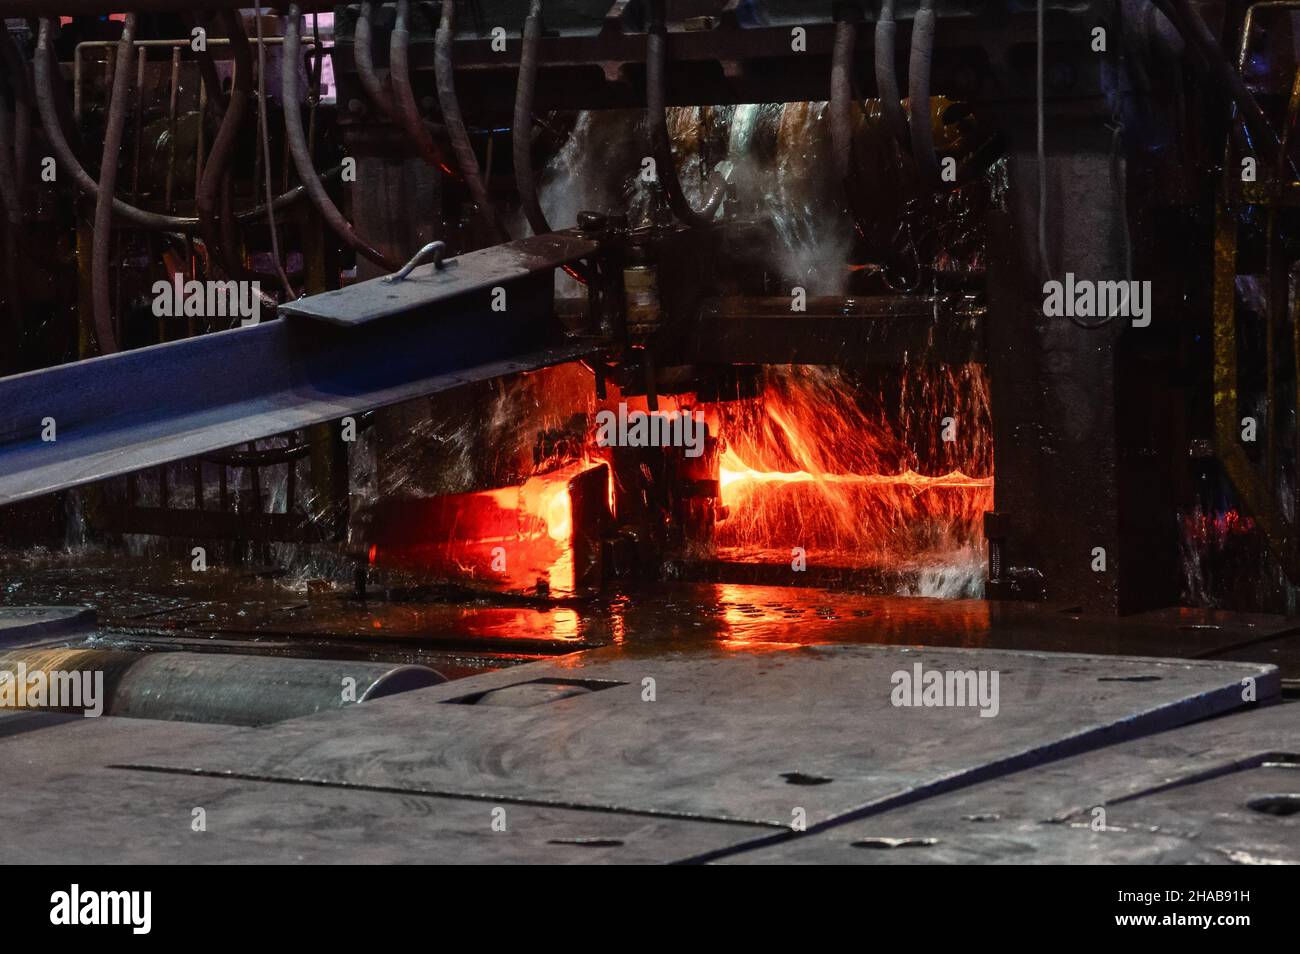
(683, 722)
(732, 753)
(148, 604)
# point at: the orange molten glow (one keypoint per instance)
(509, 537)
(812, 463)
(735, 474)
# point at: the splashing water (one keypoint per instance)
(779, 151)
(806, 466)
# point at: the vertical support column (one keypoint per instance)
(1065, 463)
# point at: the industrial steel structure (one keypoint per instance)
(396, 320)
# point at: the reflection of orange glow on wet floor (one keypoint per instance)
(777, 619)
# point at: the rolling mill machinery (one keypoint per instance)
(362, 277)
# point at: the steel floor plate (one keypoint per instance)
(577, 766)
(1217, 792)
(741, 737)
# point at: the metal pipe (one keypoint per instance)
(363, 56)
(521, 131)
(264, 136)
(297, 142)
(172, 102)
(1197, 35)
(101, 243)
(406, 109)
(841, 101)
(521, 134)
(68, 162)
(886, 73)
(918, 94)
(462, 150)
(223, 145)
(286, 199)
(200, 133)
(211, 79)
(661, 144)
(63, 155)
(221, 688)
(137, 120)
(214, 42)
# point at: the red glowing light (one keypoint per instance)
(513, 537)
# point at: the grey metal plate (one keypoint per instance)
(62, 806)
(730, 735)
(1177, 797)
(426, 285)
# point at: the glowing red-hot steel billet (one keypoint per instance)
(507, 537)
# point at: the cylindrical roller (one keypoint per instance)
(216, 687)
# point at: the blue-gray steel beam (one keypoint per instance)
(123, 412)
